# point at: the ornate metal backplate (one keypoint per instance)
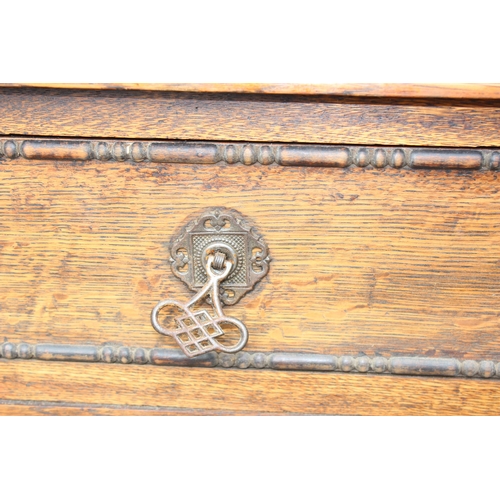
(224, 230)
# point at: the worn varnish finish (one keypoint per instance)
(377, 262)
(238, 117)
(254, 391)
(37, 408)
(384, 246)
(443, 90)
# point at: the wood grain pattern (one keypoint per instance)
(425, 90)
(256, 391)
(249, 117)
(376, 262)
(375, 256)
(41, 408)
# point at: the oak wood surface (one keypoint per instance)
(37, 408)
(376, 262)
(443, 90)
(382, 262)
(254, 391)
(238, 117)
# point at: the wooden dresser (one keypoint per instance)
(359, 226)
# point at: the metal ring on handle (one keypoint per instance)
(244, 336)
(223, 247)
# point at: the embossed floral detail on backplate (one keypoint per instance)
(242, 242)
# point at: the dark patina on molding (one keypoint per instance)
(398, 365)
(204, 153)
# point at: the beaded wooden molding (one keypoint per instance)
(399, 365)
(203, 153)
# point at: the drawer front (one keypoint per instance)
(382, 294)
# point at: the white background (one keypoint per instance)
(259, 41)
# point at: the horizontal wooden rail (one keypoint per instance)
(206, 153)
(429, 90)
(398, 365)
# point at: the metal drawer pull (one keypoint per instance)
(197, 331)
(221, 257)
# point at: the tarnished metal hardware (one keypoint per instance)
(226, 230)
(221, 257)
(197, 331)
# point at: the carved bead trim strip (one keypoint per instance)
(436, 367)
(250, 154)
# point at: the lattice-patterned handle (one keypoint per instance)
(197, 330)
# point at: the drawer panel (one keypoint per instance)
(365, 261)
